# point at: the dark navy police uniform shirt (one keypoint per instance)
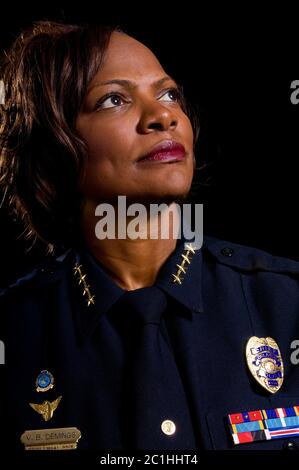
(228, 294)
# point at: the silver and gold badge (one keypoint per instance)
(265, 362)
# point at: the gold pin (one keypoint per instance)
(186, 258)
(47, 408)
(86, 287)
(44, 381)
(82, 278)
(265, 363)
(182, 268)
(176, 278)
(190, 248)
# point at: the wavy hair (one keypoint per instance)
(46, 73)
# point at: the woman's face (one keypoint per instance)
(131, 110)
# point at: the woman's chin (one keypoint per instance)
(159, 197)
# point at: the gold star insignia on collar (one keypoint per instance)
(182, 268)
(82, 282)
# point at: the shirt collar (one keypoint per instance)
(103, 290)
(187, 291)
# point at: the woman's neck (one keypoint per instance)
(131, 263)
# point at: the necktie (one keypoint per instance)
(156, 410)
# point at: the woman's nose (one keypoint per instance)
(157, 117)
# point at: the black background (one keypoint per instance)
(236, 65)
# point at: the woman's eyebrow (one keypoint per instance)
(129, 83)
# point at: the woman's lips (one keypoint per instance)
(165, 152)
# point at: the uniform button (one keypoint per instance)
(227, 251)
(290, 445)
(168, 427)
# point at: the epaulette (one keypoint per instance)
(50, 270)
(245, 258)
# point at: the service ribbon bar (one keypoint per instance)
(261, 425)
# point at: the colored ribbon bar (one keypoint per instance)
(260, 425)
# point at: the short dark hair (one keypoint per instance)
(46, 73)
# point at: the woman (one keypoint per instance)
(129, 343)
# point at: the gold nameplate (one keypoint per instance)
(265, 362)
(51, 439)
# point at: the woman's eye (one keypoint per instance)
(110, 102)
(170, 95)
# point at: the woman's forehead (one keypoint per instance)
(127, 56)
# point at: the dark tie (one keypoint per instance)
(156, 415)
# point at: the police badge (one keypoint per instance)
(265, 363)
